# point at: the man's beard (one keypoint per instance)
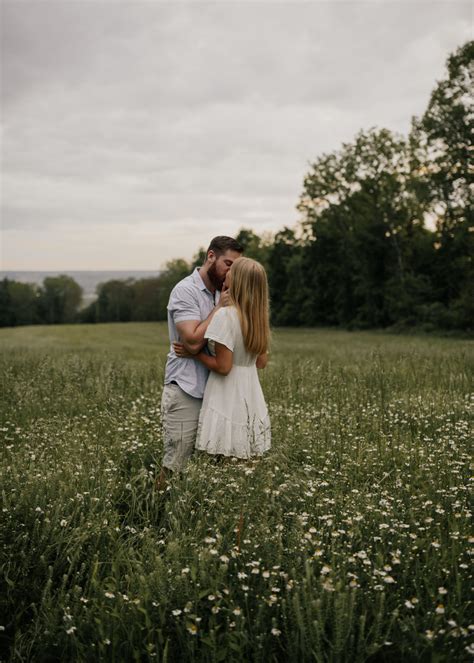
(214, 278)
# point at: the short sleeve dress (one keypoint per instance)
(234, 417)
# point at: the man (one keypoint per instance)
(192, 304)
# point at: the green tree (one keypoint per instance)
(255, 246)
(446, 129)
(359, 218)
(146, 300)
(18, 303)
(59, 299)
(138, 300)
(5, 304)
(285, 278)
(114, 301)
(199, 258)
(174, 271)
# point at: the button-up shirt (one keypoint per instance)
(189, 300)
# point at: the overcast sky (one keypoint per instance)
(133, 132)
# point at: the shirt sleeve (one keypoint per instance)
(221, 329)
(183, 305)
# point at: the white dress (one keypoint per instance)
(234, 417)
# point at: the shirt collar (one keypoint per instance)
(197, 278)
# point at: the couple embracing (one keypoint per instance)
(218, 321)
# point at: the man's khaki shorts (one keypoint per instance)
(179, 418)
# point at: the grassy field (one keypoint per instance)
(348, 542)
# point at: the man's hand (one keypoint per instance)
(180, 351)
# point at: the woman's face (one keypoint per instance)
(228, 278)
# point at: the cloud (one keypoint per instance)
(180, 119)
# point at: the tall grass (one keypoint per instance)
(347, 542)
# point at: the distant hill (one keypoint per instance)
(88, 280)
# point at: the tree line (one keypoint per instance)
(385, 236)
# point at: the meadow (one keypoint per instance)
(348, 541)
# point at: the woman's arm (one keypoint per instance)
(262, 360)
(221, 363)
(191, 332)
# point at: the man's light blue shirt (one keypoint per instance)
(189, 300)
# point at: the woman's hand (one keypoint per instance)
(180, 351)
(262, 360)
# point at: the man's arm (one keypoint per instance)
(222, 363)
(191, 332)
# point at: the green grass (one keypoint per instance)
(347, 542)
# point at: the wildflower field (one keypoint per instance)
(348, 541)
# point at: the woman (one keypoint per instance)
(234, 417)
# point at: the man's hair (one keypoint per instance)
(221, 244)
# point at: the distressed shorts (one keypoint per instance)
(179, 418)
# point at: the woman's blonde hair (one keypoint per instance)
(249, 294)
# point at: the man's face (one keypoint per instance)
(220, 266)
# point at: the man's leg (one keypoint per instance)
(162, 481)
(179, 416)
